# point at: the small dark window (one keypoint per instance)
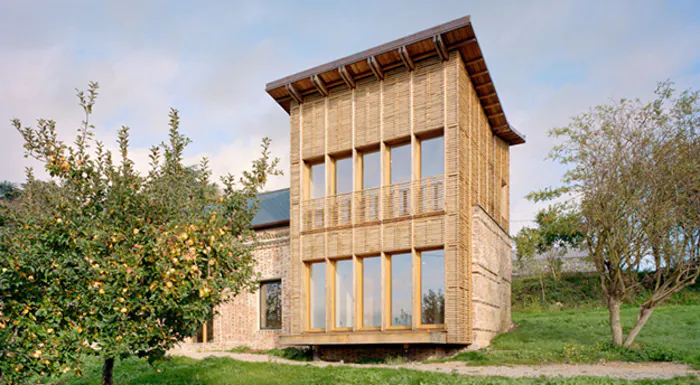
(271, 304)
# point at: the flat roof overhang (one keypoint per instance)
(457, 35)
(367, 338)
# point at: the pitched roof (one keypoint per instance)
(273, 209)
(457, 35)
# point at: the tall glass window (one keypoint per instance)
(372, 292)
(317, 295)
(343, 175)
(343, 294)
(271, 304)
(432, 157)
(371, 169)
(317, 181)
(401, 289)
(401, 163)
(432, 284)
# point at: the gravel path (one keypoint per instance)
(624, 370)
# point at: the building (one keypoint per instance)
(393, 235)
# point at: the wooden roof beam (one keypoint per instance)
(484, 72)
(294, 93)
(492, 105)
(347, 76)
(461, 44)
(481, 87)
(319, 84)
(440, 47)
(487, 95)
(474, 61)
(406, 58)
(375, 67)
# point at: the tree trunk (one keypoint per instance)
(542, 287)
(107, 369)
(615, 325)
(642, 318)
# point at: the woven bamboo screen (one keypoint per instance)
(396, 99)
(340, 121)
(428, 95)
(313, 128)
(367, 109)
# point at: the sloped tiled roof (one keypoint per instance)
(273, 209)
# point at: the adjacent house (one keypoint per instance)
(393, 235)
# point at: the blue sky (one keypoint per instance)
(211, 59)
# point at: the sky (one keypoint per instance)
(550, 60)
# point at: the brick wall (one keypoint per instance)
(237, 323)
(354, 353)
(491, 269)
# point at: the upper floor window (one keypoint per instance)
(343, 175)
(271, 304)
(400, 163)
(317, 180)
(371, 169)
(432, 155)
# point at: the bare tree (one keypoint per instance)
(634, 177)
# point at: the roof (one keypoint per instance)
(273, 209)
(457, 35)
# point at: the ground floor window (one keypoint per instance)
(271, 304)
(432, 283)
(205, 333)
(401, 289)
(343, 294)
(371, 292)
(317, 295)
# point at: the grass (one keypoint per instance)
(222, 371)
(672, 334)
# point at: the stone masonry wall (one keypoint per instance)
(491, 278)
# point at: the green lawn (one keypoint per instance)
(672, 334)
(222, 371)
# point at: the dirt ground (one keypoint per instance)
(624, 370)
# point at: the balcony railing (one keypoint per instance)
(395, 201)
(430, 195)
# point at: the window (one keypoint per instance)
(317, 181)
(432, 167)
(271, 304)
(341, 203)
(371, 169)
(432, 282)
(368, 204)
(343, 294)
(401, 289)
(432, 155)
(343, 175)
(400, 194)
(372, 292)
(205, 333)
(317, 295)
(401, 163)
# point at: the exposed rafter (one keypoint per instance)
(481, 87)
(484, 72)
(319, 84)
(376, 68)
(461, 44)
(487, 95)
(406, 58)
(294, 93)
(440, 47)
(492, 105)
(474, 61)
(346, 76)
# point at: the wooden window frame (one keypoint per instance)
(307, 178)
(332, 264)
(307, 299)
(260, 299)
(360, 301)
(388, 290)
(418, 152)
(418, 288)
